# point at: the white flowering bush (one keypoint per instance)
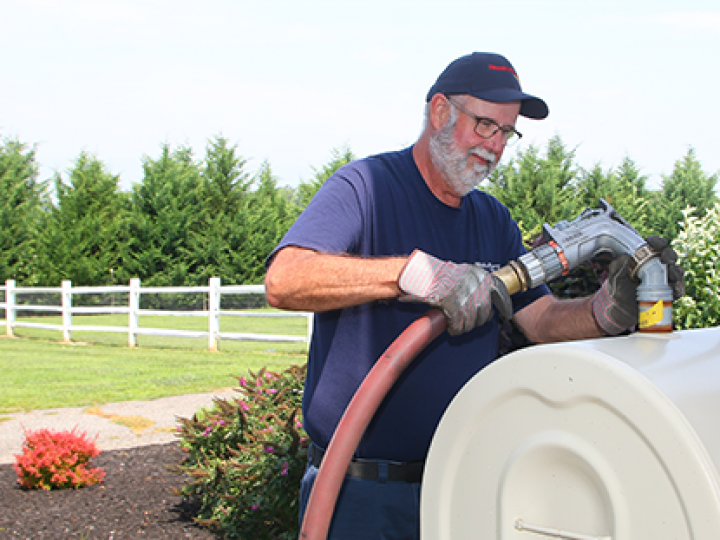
(698, 248)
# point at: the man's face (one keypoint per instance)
(462, 156)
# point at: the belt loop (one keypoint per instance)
(382, 472)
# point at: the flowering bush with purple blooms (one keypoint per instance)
(246, 457)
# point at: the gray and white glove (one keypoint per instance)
(464, 292)
(615, 306)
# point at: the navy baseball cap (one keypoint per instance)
(490, 77)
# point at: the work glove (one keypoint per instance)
(464, 292)
(615, 305)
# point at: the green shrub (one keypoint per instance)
(698, 248)
(246, 458)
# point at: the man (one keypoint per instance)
(391, 234)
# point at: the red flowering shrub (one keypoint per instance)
(57, 459)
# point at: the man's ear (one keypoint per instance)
(439, 111)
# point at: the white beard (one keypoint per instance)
(452, 162)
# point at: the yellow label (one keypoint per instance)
(652, 315)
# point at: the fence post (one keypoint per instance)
(10, 312)
(133, 311)
(66, 303)
(214, 314)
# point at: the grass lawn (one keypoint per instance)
(39, 372)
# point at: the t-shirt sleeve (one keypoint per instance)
(332, 221)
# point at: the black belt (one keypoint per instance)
(369, 470)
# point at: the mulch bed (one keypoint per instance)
(135, 500)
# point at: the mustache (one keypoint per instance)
(485, 154)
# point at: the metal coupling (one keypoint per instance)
(514, 277)
(542, 264)
(641, 255)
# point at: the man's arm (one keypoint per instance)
(306, 280)
(549, 320)
(610, 311)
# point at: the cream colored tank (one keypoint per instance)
(612, 439)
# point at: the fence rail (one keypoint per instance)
(214, 291)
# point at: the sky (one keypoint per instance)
(289, 81)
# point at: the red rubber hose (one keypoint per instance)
(357, 416)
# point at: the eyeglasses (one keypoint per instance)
(487, 127)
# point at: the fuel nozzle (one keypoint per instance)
(569, 244)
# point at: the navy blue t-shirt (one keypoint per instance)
(381, 206)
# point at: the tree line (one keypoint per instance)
(194, 218)
(546, 187)
(188, 219)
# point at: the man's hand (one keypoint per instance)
(668, 256)
(464, 292)
(615, 305)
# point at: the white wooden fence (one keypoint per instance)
(214, 290)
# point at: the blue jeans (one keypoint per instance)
(370, 509)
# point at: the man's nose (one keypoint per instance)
(496, 143)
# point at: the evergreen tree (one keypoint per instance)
(226, 182)
(687, 186)
(620, 188)
(217, 248)
(271, 215)
(537, 189)
(165, 209)
(629, 173)
(22, 201)
(630, 196)
(82, 236)
(307, 190)
(595, 184)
